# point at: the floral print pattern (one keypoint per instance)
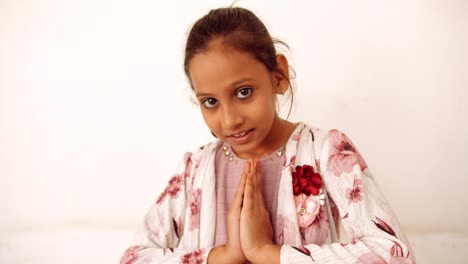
(195, 201)
(396, 250)
(172, 189)
(130, 255)
(194, 257)
(304, 251)
(290, 165)
(354, 195)
(382, 225)
(317, 232)
(400, 260)
(343, 154)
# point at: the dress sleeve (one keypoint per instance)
(375, 233)
(158, 239)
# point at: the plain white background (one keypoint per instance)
(95, 111)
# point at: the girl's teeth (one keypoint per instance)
(240, 134)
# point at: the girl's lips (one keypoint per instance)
(243, 137)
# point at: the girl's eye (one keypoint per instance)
(244, 93)
(210, 102)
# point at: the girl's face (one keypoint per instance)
(237, 96)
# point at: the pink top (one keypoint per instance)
(229, 168)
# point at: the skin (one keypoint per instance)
(256, 232)
(237, 93)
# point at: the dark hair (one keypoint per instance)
(238, 28)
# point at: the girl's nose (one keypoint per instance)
(231, 119)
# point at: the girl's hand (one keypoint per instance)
(233, 244)
(256, 232)
(231, 252)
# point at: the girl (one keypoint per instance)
(267, 190)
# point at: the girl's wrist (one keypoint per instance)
(233, 257)
(267, 253)
(221, 254)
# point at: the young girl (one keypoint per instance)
(267, 190)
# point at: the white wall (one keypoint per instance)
(92, 93)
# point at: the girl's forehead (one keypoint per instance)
(222, 59)
(223, 68)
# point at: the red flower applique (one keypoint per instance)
(308, 198)
(306, 181)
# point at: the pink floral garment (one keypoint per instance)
(171, 228)
(179, 227)
(368, 220)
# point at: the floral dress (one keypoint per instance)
(325, 183)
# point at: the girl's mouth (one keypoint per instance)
(242, 137)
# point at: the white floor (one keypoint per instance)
(86, 245)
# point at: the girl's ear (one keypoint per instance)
(281, 76)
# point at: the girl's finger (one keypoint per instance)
(256, 180)
(238, 196)
(252, 171)
(248, 168)
(248, 188)
(258, 175)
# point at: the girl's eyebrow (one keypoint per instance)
(245, 79)
(202, 94)
(233, 84)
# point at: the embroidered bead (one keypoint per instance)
(302, 211)
(279, 153)
(227, 153)
(231, 158)
(225, 148)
